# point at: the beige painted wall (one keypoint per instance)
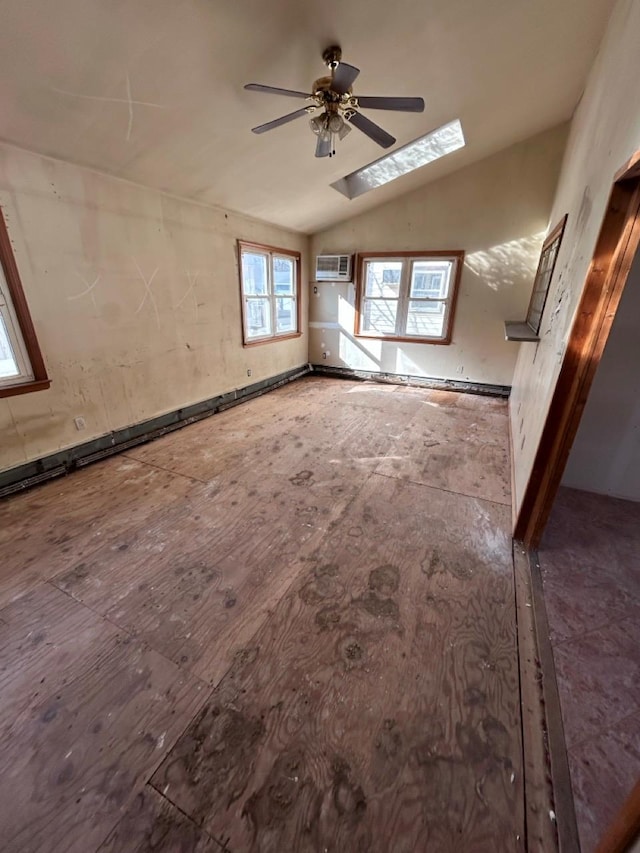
(605, 456)
(497, 210)
(87, 247)
(605, 132)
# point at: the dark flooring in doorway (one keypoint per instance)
(590, 565)
(288, 627)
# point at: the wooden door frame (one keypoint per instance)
(625, 827)
(615, 250)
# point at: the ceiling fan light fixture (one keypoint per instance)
(344, 130)
(333, 94)
(334, 123)
(317, 124)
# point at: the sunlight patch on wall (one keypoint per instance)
(354, 356)
(347, 321)
(346, 314)
(506, 264)
(405, 365)
(403, 160)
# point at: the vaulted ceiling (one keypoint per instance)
(152, 90)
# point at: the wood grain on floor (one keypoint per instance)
(590, 566)
(92, 712)
(151, 823)
(379, 701)
(258, 633)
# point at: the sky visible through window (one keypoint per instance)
(403, 160)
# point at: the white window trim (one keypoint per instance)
(16, 319)
(271, 253)
(16, 340)
(455, 258)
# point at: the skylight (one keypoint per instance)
(403, 160)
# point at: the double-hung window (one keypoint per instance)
(408, 296)
(21, 366)
(270, 285)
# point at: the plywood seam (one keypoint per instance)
(128, 454)
(129, 633)
(440, 489)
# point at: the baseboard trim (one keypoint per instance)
(56, 464)
(417, 381)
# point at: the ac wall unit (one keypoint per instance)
(333, 268)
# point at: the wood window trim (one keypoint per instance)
(271, 250)
(361, 257)
(40, 379)
(556, 234)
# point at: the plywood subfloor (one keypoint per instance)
(287, 627)
(590, 566)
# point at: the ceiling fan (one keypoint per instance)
(340, 108)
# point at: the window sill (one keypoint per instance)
(519, 330)
(25, 388)
(272, 340)
(404, 340)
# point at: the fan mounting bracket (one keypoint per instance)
(332, 56)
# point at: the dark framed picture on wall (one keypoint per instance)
(544, 274)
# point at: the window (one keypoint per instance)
(408, 296)
(546, 265)
(270, 284)
(21, 365)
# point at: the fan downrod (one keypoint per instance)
(332, 56)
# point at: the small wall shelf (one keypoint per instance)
(518, 330)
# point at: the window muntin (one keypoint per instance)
(270, 290)
(409, 297)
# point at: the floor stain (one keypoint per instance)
(302, 478)
(461, 564)
(385, 579)
(351, 651)
(348, 798)
(325, 584)
(212, 759)
(271, 805)
(328, 617)
(384, 608)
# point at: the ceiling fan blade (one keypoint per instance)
(372, 130)
(273, 90)
(403, 105)
(323, 147)
(343, 77)
(261, 128)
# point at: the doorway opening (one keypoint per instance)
(615, 250)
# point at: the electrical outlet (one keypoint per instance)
(324, 355)
(80, 423)
(315, 289)
(248, 371)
